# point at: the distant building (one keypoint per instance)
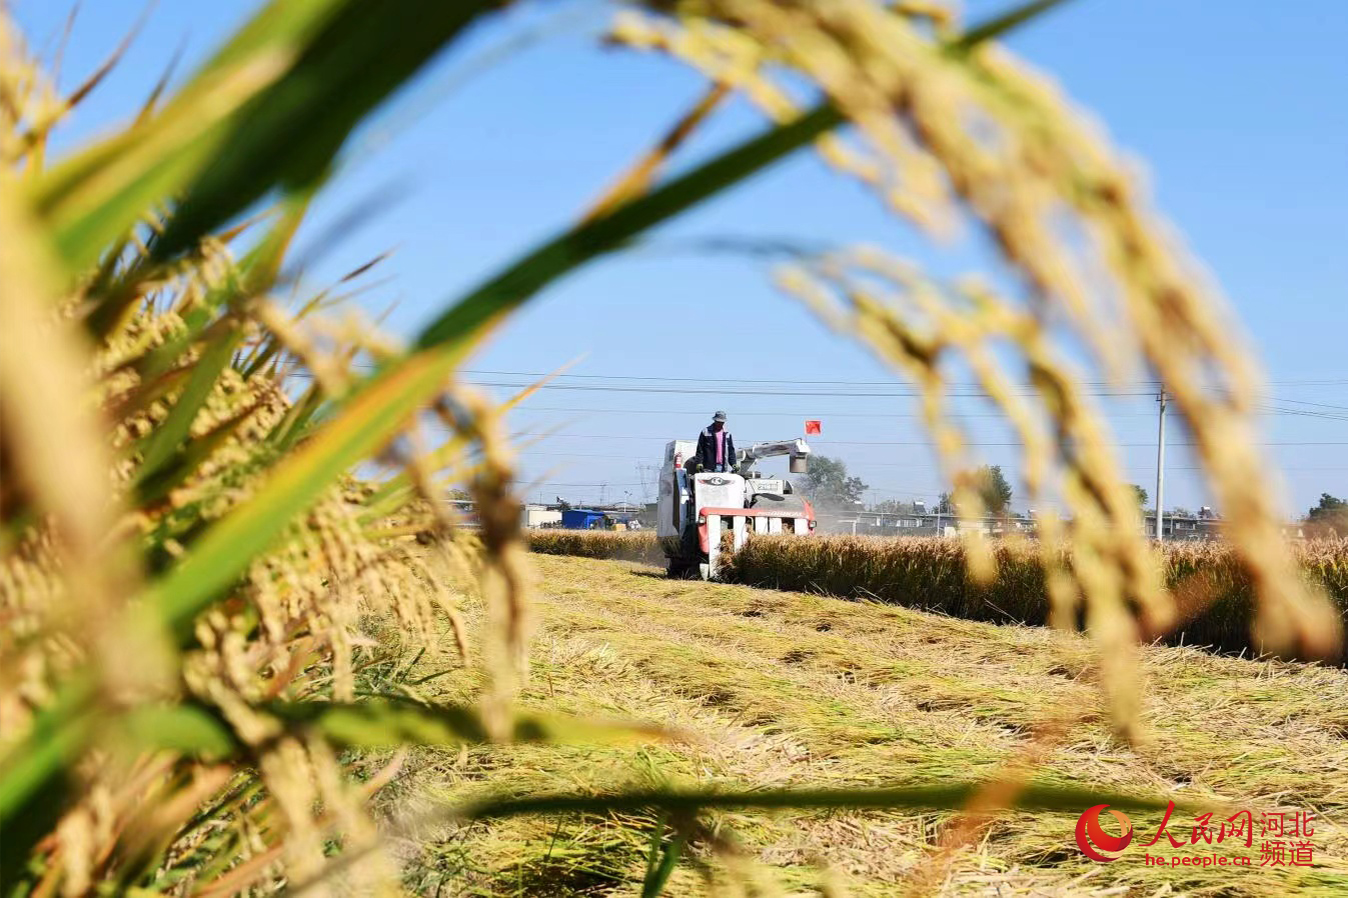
(596, 519)
(1204, 525)
(582, 519)
(536, 516)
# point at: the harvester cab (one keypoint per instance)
(697, 508)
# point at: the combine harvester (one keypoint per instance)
(696, 508)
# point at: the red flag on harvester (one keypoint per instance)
(812, 427)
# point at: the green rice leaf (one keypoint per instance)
(290, 134)
(999, 25)
(188, 729)
(180, 466)
(94, 199)
(944, 796)
(165, 439)
(386, 722)
(270, 110)
(498, 296)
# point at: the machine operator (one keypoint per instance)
(715, 446)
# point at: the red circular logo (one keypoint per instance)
(1091, 836)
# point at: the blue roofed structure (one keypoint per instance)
(582, 519)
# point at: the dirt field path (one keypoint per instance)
(784, 689)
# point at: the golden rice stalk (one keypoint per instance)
(149, 402)
(29, 103)
(910, 323)
(57, 466)
(504, 579)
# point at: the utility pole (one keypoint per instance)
(1160, 467)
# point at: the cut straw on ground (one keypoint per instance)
(782, 690)
(1213, 592)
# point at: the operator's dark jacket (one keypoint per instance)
(706, 449)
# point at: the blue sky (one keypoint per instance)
(1235, 112)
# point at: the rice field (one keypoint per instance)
(246, 648)
(1213, 592)
(771, 689)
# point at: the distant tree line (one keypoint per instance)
(1328, 518)
(829, 486)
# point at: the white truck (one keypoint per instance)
(696, 508)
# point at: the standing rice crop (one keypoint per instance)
(1214, 594)
(626, 546)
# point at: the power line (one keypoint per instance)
(958, 391)
(882, 464)
(882, 383)
(1308, 413)
(713, 380)
(741, 414)
(627, 384)
(730, 391)
(805, 414)
(820, 442)
(664, 385)
(1342, 408)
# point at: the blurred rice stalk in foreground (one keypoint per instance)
(954, 128)
(191, 573)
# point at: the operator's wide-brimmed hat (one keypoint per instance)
(719, 416)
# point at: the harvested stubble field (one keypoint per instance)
(1213, 592)
(778, 689)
